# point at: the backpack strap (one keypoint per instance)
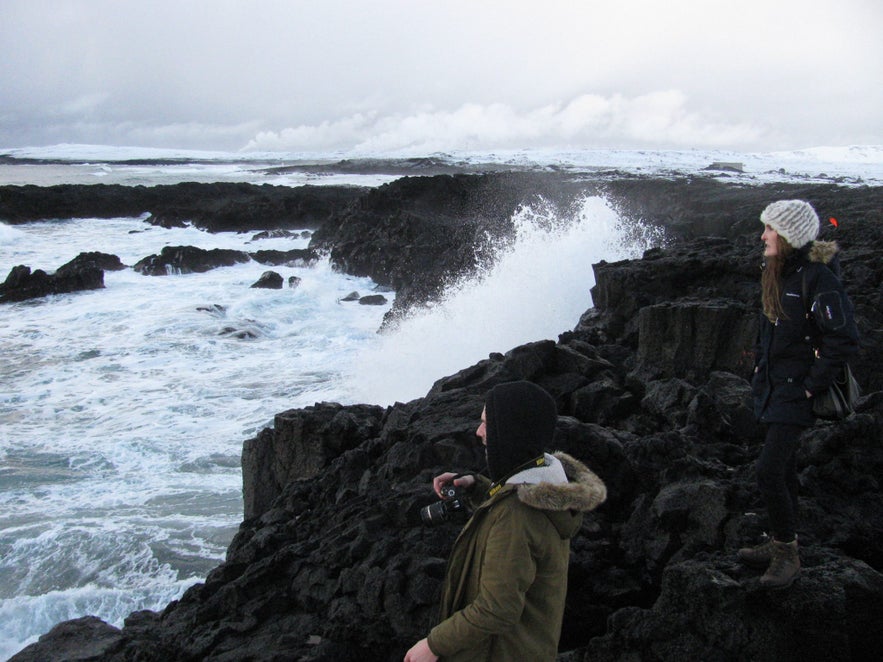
(806, 304)
(810, 318)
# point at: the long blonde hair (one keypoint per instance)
(771, 281)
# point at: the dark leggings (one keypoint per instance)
(777, 478)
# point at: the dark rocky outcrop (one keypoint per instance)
(280, 234)
(103, 261)
(22, 284)
(367, 300)
(214, 207)
(297, 257)
(84, 272)
(333, 563)
(269, 280)
(320, 433)
(188, 260)
(373, 300)
(86, 638)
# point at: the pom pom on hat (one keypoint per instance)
(794, 220)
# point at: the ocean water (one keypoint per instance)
(123, 410)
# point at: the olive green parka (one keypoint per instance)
(504, 592)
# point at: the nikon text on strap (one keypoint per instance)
(530, 464)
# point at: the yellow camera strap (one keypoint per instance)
(530, 464)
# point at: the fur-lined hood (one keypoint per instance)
(583, 492)
(822, 251)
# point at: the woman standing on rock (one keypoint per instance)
(788, 373)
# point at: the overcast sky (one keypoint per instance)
(436, 75)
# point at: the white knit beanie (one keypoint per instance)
(795, 220)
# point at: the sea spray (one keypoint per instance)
(537, 286)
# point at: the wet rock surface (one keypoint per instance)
(332, 561)
(269, 280)
(22, 284)
(188, 260)
(213, 207)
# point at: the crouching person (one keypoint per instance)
(506, 582)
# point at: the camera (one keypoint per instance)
(444, 510)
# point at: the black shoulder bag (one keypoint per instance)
(839, 400)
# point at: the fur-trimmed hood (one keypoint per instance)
(583, 492)
(822, 251)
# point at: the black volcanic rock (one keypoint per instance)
(373, 300)
(103, 261)
(308, 440)
(696, 206)
(188, 260)
(22, 284)
(86, 638)
(214, 207)
(269, 280)
(277, 234)
(297, 257)
(811, 623)
(333, 563)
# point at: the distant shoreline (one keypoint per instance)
(83, 164)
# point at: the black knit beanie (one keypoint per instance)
(521, 419)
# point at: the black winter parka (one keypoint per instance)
(786, 366)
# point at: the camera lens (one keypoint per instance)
(434, 513)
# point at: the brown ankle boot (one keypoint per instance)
(758, 556)
(784, 567)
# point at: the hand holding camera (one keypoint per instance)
(465, 481)
(450, 487)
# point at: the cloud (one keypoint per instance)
(202, 135)
(659, 119)
(83, 104)
(399, 74)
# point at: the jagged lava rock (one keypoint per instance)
(332, 561)
(269, 280)
(188, 260)
(22, 284)
(214, 207)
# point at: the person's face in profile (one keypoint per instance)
(481, 432)
(770, 239)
